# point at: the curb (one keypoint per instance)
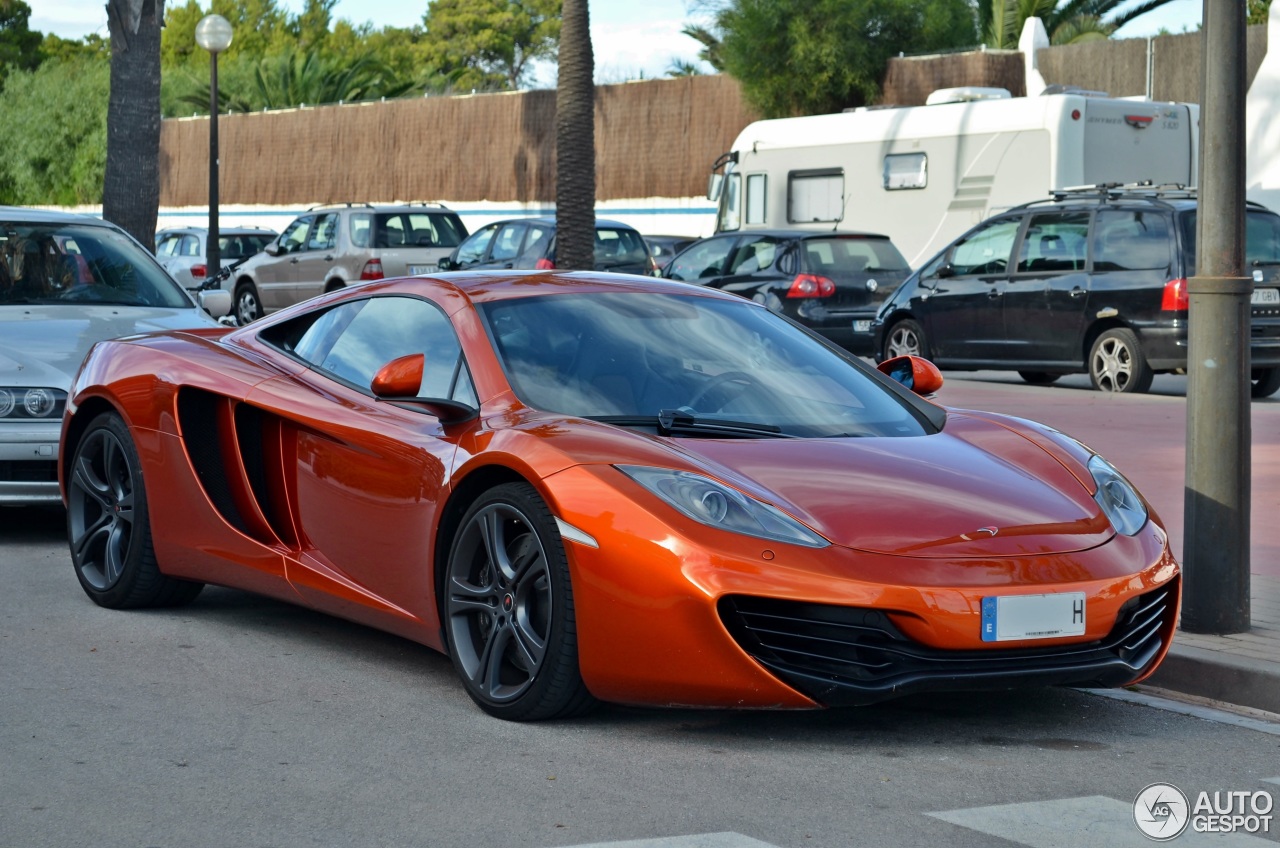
(1219, 677)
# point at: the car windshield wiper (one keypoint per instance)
(1262, 263)
(670, 422)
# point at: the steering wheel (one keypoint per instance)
(720, 381)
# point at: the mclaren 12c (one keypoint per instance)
(586, 487)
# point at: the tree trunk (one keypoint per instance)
(131, 183)
(575, 142)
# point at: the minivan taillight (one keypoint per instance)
(544, 264)
(372, 270)
(811, 285)
(1175, 298)
(199, 272)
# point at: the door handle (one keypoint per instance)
(293, 261)
(1077, 292)
(328, 259)
(508, 265)
(994, 292)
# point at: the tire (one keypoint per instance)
(333, 285)
(108, 524)
(1264, 382)
(1039, 378)
(906, 338)
(507, 608)
(1117, 364)
(248, 306)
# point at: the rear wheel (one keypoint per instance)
(1039, 378)
(1264, 382)
(507, 606)
(248, 307)
(333, 285)
(108, 524)
(906, 338)
(1116, 363)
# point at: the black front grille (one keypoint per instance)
(850, 655)
(29, 471)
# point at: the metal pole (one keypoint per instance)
(213, 250)
(1216, 517)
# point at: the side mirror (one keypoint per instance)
(919, 375)
(273, 249)
(945, 270)
(446, 264)
(399, 381)
(217, 302)
(714, 183)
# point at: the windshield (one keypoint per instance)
(79, 263)
(638, 354)
(1261, 239)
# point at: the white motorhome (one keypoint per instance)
(925, 174)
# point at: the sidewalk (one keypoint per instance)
(1243, 669)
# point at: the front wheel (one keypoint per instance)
(906, 338)
(1116, 363)
(507, 605)
(108, 524)
(248, 306)
(1039, 378)
(1264, 382)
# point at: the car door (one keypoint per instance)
(704, 262)
(1044, 299)
(315, 260)
(367, 476)
(963, 319)
(504, 249)
(276, 275)
(473, 250)
(752, 267)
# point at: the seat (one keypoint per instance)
(423, 238)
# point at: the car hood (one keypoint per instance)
(44, 345)
(976, 489)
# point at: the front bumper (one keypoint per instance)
(29, 463)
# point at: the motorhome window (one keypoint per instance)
(755, 198)
(1131, 240)
(730, 203)
(906, 171)
(1055, 243)
(815, 196)
(986, 251)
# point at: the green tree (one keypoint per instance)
(1066, 21)
(19, 45)
(1258, 11)
(92, 46)
(53, 139)
(489, 43)
(575, 143)
(799, 57)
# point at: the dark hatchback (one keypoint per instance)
(1091, 281)
(530, 243)
(831, 282)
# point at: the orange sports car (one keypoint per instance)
(587, 487)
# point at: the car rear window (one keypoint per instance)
(1261, 238)
(618, 247)
(241, 246)
(851, 255)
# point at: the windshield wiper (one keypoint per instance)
(671, 422)
(1262, 263)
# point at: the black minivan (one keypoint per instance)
(1091, 280)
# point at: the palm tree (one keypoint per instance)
(131, 182)
(1000, 21)
(575, 142)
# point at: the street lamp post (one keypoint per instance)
(213, 33)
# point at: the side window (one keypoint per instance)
(472, 250)
(1131, 240)
(754, 254)
(354, 340)
(1055, 243)
(324, 235)
(295, 235)
(986, 251)
(731, 202)
(506, 245)
(703, 260)
(361, 229)
(535, 244)
(816, 195)
(756, 184)
(168, 246)
(906, 171)
(190, 246)
(449, 229)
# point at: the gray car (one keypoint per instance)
(67, 282)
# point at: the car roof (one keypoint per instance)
(222, 231)
(799, 234)
(49, 216)
(551, 220)
(411, 206)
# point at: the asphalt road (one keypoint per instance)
(240, 721)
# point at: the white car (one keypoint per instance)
(67, 282)
(183, 251)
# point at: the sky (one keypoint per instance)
(630, 37)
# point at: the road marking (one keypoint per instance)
(1183, 708)
(1089, 821)
(698, 840)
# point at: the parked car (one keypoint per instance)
(183, 251)
(530, 243)
(593, 487)
(832, 282)
(333, 246)
(1091, 280)
(663, 248)
(67, 282)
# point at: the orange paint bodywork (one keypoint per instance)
(342, 509)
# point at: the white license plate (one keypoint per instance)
(1006, 617)
(416, 270)
(862, 326)
(1266, 296)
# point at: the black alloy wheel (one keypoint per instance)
(108, 525)
(508, 609)
(906, 338)
(1116, 363)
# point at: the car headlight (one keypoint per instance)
(1117, 497)
(24, 403)
(716, 505)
